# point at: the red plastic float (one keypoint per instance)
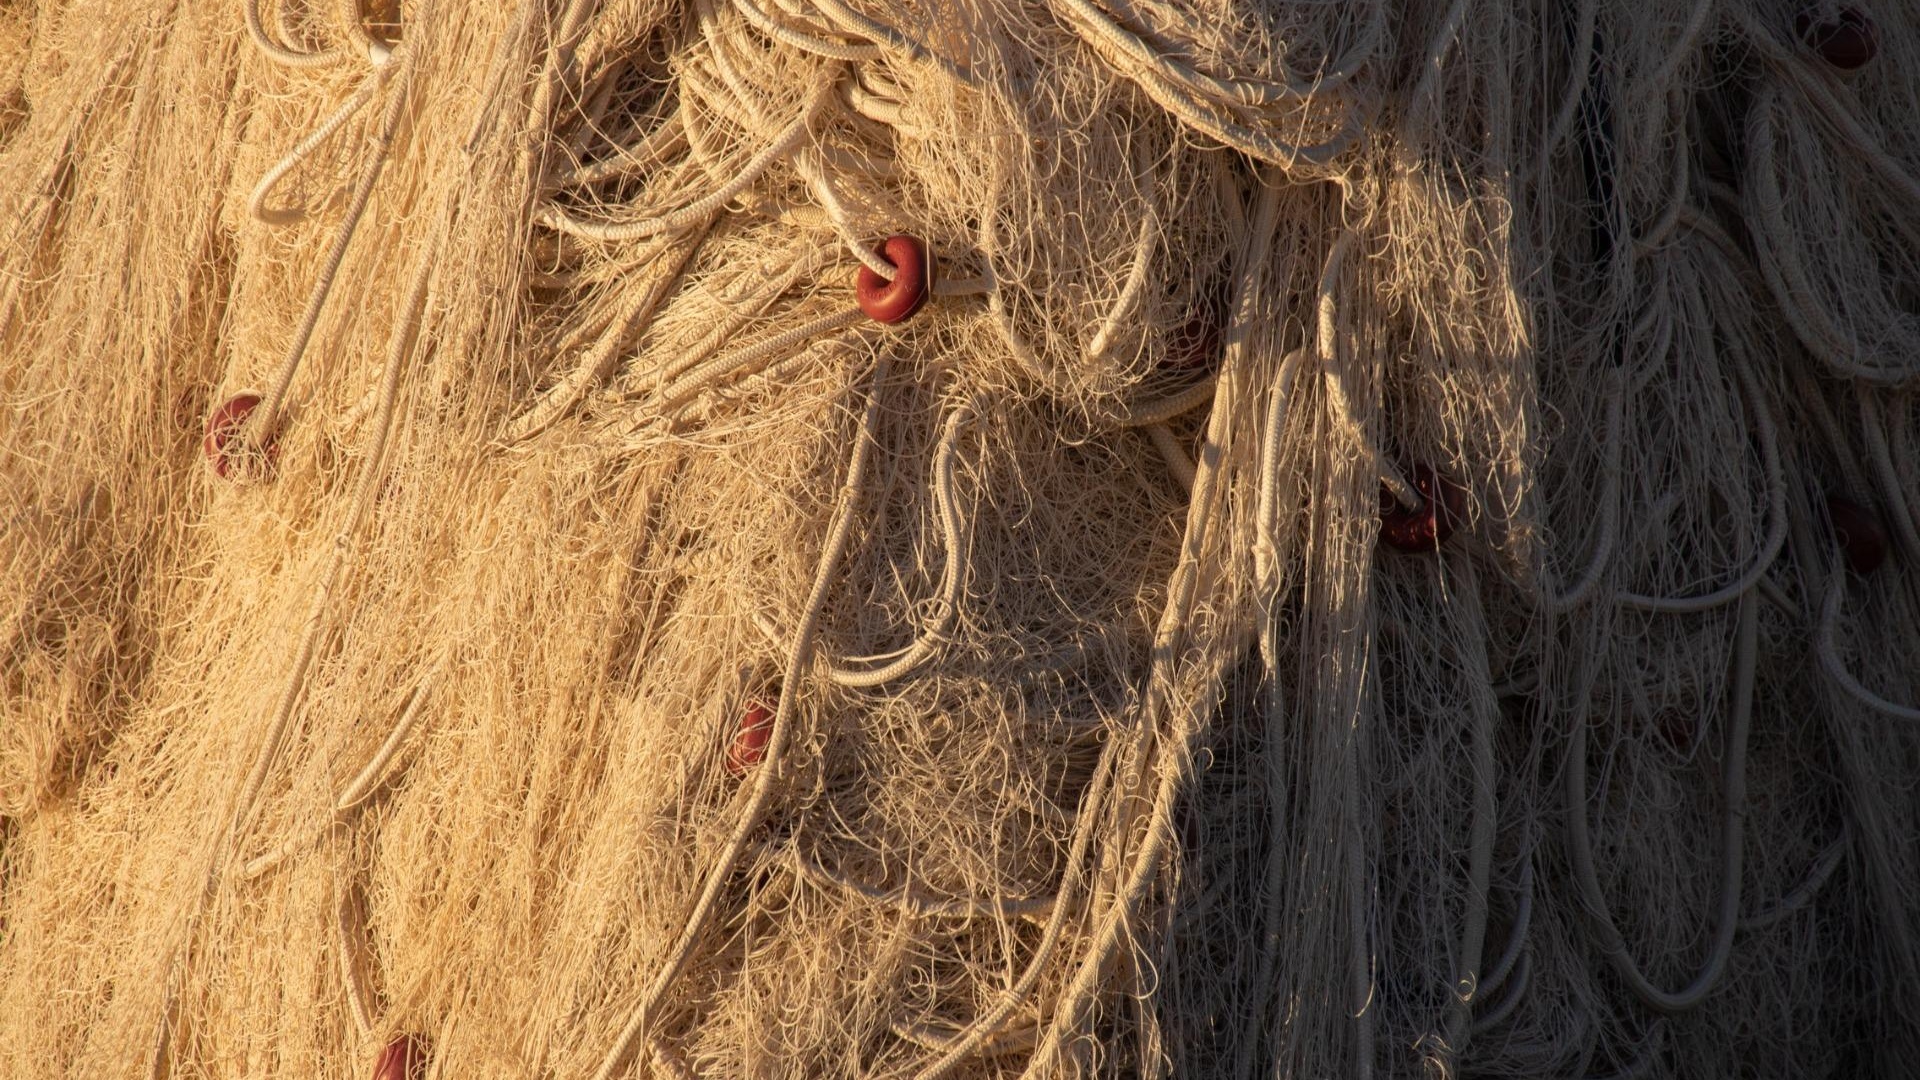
(1676, 729)
(1196, 344)
(403, 1058)
(1443, 505)
(749, 744)
(1848, 40)
(223, 428)
(1862, 539)
(894, 301)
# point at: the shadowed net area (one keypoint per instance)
(962, 538)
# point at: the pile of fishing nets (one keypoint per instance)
(603, 538)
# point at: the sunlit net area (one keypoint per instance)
(604, 539)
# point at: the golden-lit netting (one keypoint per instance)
(815, 538)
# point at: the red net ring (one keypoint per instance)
(1443, 506)
(1847, 41)
(1200, 340)
(1677, 729)
(224, 426)
(1196, 344)
(1863, 541)
(403, 1058)
(749, 745)
(894, 301)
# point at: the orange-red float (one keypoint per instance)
(893, 301)
(403, 1058)
(1863, 541)
(1848, 40)
(1443, 505)
(224, 424)
(1201, 337)
(1676, 728)
(1196, 344)
(749, 743)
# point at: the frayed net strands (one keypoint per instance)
(706, 538)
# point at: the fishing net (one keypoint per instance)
(602, 538)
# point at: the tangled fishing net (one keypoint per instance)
(601, 538)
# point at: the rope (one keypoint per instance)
(798, 660)
(266, 417)
(370, 779)
(1776, 537)
(1732, 841)
(952, 578)
(1830, 662)
(701, 210)
(257, 202)
(281, 54)
(1168, 646)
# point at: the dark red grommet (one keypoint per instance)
(893, 301)
(403, 1058)
(1862, 539)
(1848, 41)
(749, 743)
(223, 431)
(1196, 344)
(1443, 505)
(1198, 341)
(1676, 729)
